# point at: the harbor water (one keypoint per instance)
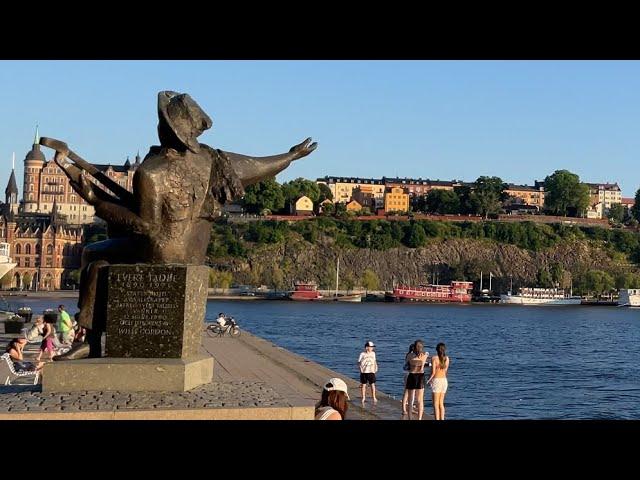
(507, 362)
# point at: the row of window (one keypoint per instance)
(67, 249)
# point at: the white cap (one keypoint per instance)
(369, 344)
(336, 384)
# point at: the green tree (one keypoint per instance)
(442, 201)
(267, 194)
(348, 281)
(5, 281)
(564, 193)
(488, 194)
(296, 188)
(544, 278)
(370, 280)
(416, 237)
(557, 274)
(328, 209)
(616, 212)
(325, 193)
(219, 279)
(635, 210)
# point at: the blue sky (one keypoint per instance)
(519, 120)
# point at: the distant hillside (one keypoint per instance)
(593, 259)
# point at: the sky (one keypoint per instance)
(519, 120)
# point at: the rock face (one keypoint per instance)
(449, 259)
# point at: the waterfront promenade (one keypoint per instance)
(253, 379)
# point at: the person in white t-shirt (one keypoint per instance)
(221, 320)
(368, 369)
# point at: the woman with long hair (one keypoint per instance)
(14, 349)
(405, 395)
(334, 402)
(438, 380)
(415, 379)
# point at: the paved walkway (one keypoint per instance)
(249, 372)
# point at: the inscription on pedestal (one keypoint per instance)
(148, 307)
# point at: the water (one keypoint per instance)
(507, 362)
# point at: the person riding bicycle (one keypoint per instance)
(221, 320)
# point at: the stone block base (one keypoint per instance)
(128, 374)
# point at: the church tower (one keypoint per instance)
(33, 164)
(11, 192)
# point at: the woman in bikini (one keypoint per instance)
(438, 380)
(415, 378)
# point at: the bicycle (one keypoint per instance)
(230, 328)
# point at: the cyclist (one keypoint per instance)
(221, 320)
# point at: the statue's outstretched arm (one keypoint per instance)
(74, 173)
(113, 213)
(254, 169)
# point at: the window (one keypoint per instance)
(38, 250)
(27, 249)
(27, 262)
(48, 262)
(18, 249)
(49, 249)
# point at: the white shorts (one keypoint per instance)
(439, 385)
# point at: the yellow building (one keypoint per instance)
(342, 188)
(303, 206)
(525, 195)
(396, 199)
(354, 206)
(601, 197)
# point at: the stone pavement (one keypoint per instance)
(253, 378)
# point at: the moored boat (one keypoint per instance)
(629, 297)
(540, 296)
(306, 291)
(456, 292)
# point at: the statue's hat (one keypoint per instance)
(184, 116)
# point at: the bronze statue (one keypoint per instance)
(178, 191)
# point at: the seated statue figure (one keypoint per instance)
(178, 191)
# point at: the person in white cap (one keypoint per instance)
(334, 402)
(368, 369)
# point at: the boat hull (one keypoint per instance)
(390, 297)
(519, 300)
(629, 297)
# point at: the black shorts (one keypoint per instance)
(415, 381)
(367, 378)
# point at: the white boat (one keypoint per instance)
(629, 297)
(540, 296)
(5, 260)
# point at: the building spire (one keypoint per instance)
(13, 161)
(36, 139)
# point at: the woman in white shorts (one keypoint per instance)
(438, 380)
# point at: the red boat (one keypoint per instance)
(305, 291)
(458, 292)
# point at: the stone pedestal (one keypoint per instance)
(128, 374)
(155, 311)
(154, 325)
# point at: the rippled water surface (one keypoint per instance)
(507, 362)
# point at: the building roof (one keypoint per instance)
(35, 154)
(332, 179)
(522, 188)
(605, 186)
(628, 201)
(12, 186)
